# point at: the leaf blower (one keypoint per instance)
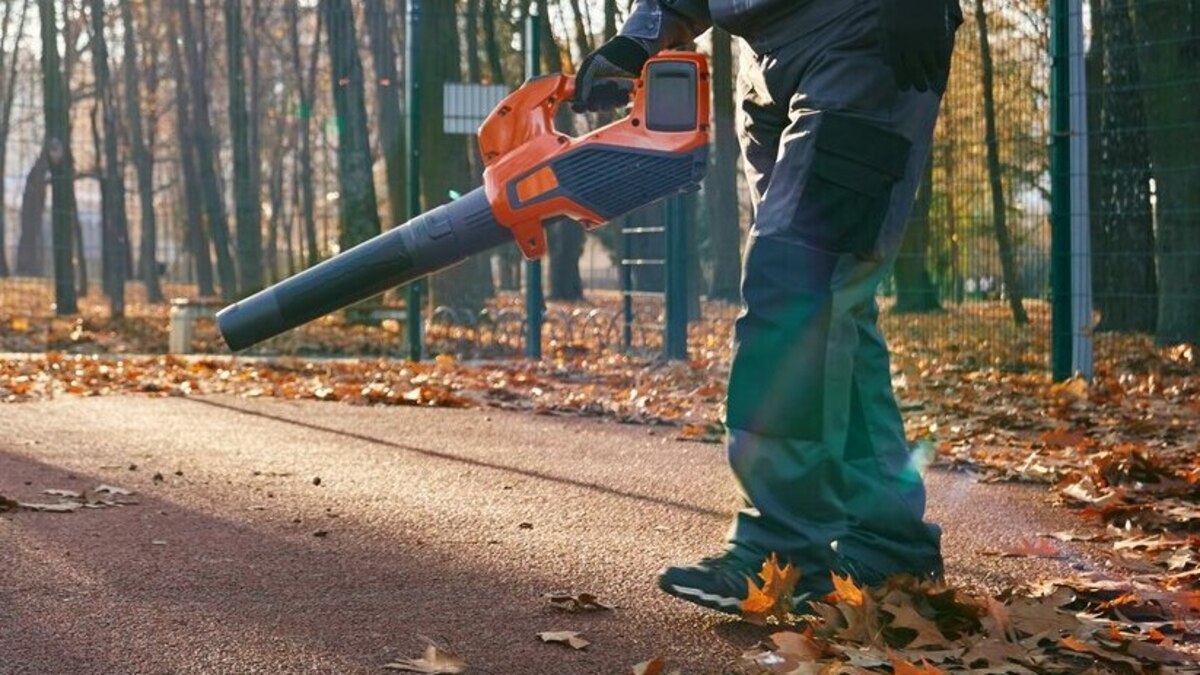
(532, 174)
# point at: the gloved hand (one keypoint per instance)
(620, 57)
(918, 38)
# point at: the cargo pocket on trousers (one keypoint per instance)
(849, 188)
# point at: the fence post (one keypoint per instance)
(675, 338)
(1060, 190)
(535, 301)
(1081, 245)
(412, 131)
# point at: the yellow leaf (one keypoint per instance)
(845, 590)
(774, 598)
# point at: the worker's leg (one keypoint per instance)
(809, 365)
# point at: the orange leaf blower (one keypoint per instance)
(533, 174)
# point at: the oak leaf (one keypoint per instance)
(564, 637)
(927, 633)
(774, 598)
(900, 666)
(435, 661)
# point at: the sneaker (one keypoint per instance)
(718, 582)
(866, 575)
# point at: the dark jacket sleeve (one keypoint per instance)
(662, 24)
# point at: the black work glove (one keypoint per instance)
(620, 57)
(918, 38)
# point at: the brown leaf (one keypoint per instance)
(774, 598)
(60, 507)
(903, 667)
(1033, 548)
(580, 602)
(564, 637)
(653, 667)
(1076, 645)
(435, 661)
(927, 632)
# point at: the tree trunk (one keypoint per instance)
(246, 200)
(112, 179)
(275, 195)
(8, 71)
(387, 96)
(143, 161)
(1123, 271)
(720, 190)
(610, 19)
(1168, 39)
(31, 244)
(195, 46)
(469, 285)
(1008, 264)
(197, 242)
(915, 291)
(358, 208)
(56, 111)
(509, 257)
(306, 80)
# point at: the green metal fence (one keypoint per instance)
(1060, 206)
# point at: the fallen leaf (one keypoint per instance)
(845, 590)
(902, 667)
(1033, 548)
(113, 490)
(927, 633)
(435, 661)
(774, 598)
(581, 602)
(564, 637)
(61, 507)
(653, 667)
(1076, 645)
(68, 494)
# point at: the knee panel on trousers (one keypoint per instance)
(777, 379)
(849, 187)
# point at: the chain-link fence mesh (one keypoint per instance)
(256, 171)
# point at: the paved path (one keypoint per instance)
(443, 523)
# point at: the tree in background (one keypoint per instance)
(915, 290)
(56, 111)
(1012, 275)
(115, 242)
(306, 84)
(8, 90)
(189, 196)
(246, 197)
(358, 209)
(143, 160)
(387, 108)
(195, 47)
(446, 167)
(1168, 40)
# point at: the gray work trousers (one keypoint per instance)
(833, 153)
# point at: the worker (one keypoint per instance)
(837, 101)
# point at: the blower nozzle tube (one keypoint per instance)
(426, 244)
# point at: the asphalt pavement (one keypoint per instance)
(305, 537)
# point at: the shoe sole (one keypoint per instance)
(720, 603)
